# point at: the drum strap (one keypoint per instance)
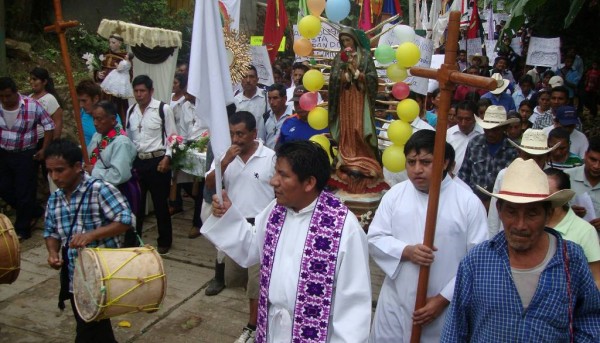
(64, 295)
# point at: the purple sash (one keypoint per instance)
(317, 270)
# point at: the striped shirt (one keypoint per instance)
(486, 306)
(23, 134)
(101, 204)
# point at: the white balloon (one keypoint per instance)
(404, 33)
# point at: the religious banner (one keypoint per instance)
(327, 39)
(473, 46)
(544, 52)
(490, 50)
(260, 60)
(229, 11)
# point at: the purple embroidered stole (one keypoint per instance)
(317, 270)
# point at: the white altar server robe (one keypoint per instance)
(399, 222)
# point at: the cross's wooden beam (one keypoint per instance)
(448, 77)
(59, 27)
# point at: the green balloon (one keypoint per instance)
(384, 54)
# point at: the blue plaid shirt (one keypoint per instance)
(103, 204)
(486, 306)
(481, 168)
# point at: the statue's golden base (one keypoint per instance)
(362, 205)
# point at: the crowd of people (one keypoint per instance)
(516, 254)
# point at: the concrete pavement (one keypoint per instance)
(29, 312)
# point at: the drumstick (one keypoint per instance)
(80, 260)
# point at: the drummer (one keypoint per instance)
(83, 212)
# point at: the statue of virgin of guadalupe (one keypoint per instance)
(352, 90)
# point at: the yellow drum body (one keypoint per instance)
(112, 282)
(10, 251)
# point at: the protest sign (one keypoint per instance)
(327, 38)
(474, 46)
(258, 40)
(490, 50)
(260, 60)
(544, 52)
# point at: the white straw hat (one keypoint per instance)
(494, 116)
(534, 142)
(501, 84)
(524, 182)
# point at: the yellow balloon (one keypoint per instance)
(393, 158)
(323, 141)
(318, 118)
(316, 7)
(309, 26)
(408, 54)
(396, 73)
(313, 80)
(399, 132)
(303, 47)
(407, 110)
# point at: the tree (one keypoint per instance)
(3, 66)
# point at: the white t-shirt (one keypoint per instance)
(50, 104)
(10, 117)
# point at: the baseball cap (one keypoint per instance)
(556, 81)
(567, 115)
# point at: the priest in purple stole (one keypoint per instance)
(314, 280)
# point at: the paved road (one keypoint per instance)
(29, 312)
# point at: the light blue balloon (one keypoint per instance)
(337, 10)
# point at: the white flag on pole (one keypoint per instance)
(209, 78)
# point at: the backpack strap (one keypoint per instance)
(161, 113)
(129, 115)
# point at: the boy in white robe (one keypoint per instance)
(301, 208)
(395, 243)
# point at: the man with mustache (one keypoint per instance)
(526, 284)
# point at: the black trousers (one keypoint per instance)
(188, 188)
(158, 184)
(93, 332)
(18, 186)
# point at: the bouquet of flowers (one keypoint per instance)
(92, 62)
(180, 150)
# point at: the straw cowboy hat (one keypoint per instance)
(524, 182)
(501, 84)
(484, 60)
(494, 116)
(534, 142)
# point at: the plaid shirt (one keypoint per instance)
(481, 168)
(102, 205)
(486, 306)
(23, 134)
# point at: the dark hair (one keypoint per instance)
(277, 71)
(484, 102)
(594, 144)
(183, 80)
(42, 74)
(547, 73)
(526, 102)
(416, 96)
(559, 133)
(435, 92)
(560, 89)
(88, 87)
(300, 65)
(547, 205)
(423, 140)
(512, 114)
(142, 80)
(462, 51)
(307, 159)
(130, 56)
(279, 88)
(64, 148)
(251, 67)
(243, 117)
(450, 155)
(467, 106)
(526, 79)
(564, 182)
(108, 107)
(7, 82)
(473, 96)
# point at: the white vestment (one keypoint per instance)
(399, 222)
(351, 308)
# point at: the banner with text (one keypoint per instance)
(544, 52)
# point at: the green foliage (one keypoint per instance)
(522, 9)
(80, 41)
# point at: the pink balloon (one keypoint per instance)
(400, 90)
(308, 101)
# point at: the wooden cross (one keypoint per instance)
(448, 76)
(59, 27)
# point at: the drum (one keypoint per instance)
(112, 282)
(10, 251)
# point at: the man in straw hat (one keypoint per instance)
(534, 145)
(526, 284)
(498, 96)
(489, 153)
(395, 244)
